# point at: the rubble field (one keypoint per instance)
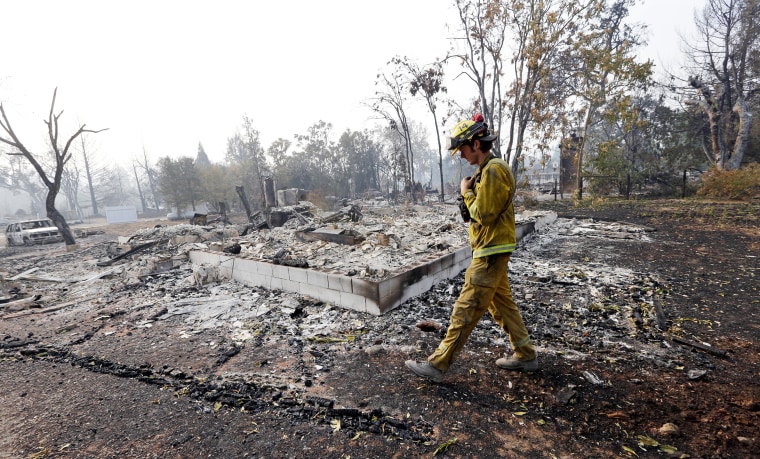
(644, 314)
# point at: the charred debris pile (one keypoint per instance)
(573, 307)
(362, 241)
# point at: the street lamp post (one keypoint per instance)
(554, 173)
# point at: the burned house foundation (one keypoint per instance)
(360, 294)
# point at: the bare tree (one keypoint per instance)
(727, 81)
(483, 26)
(391, 163)
(89, 174)
(256, 152)
(70, 185)
(152, 175)
(73, 176)
(246, 155)
(428, 83)
(390, 104)
(139, 187)
(61, 156)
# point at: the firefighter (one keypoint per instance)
(488, 198)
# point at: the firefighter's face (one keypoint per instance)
(467, 152)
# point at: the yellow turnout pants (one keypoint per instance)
(486, 288)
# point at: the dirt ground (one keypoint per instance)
(673, 375)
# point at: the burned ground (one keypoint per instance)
(644, 315)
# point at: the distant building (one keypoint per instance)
(540, 173)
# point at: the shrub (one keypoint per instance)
(526, 198)
(741, 183)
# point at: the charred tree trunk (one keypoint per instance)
(709, 105)
(139, 188)
(241, 192)
(742, 135)
(151, 180)
(59, 220)
(90, 186)
(61, 157)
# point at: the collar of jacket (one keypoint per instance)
(485, 161)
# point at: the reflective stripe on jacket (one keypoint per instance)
(492, 228)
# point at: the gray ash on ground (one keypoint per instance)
(224, 369)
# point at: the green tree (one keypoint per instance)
(201, 160)
(359, 170)
(216, 180)
(603, 73)
(623, 150)
(315, 160)
(179, 182)
(277, 155)
(672, 134)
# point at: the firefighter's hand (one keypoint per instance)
(466, 184)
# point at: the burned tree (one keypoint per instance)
(391, 105)
(726, 79)
(427, 82)
(61, 156)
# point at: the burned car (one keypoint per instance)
(32, 232)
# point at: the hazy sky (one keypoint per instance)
(169, 74)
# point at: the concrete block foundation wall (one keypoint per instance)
(374, 297)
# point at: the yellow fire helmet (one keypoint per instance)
(464, 131)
